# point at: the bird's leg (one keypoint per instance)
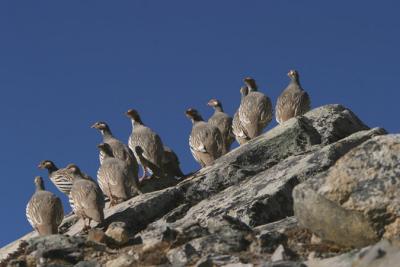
(85, 226)
(112, 201)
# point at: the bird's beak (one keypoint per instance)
(39, 166)
(93, 126)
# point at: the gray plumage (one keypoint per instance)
(293, 101)
(115, 177)
(148, 140)
(60, 177)
(44, 210)
(255, 111)
(171, 164)
(86, 196)
(119, 149)
(205, 140)
(223, 122)
(237, 129)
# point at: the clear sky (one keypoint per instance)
(66, 64)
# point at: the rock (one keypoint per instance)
(183, 256)
(56, 247)
(87, 264)
(334, 122)
(356, 202)
(279, 254)
(96, 235)
(219, 260)
(122, 261)
(155, 184)
(118, 233)
(284, 264)
(138, 212)
(233, 213)
(382, 254)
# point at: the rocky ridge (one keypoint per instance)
(318, 190)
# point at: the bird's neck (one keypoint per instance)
(52, 169)
(39, 187)
(197, 119)
(296, 81)
(136, 122)
(106, 133)
(218, 109)
(253, 89)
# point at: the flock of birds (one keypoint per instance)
(117, 176)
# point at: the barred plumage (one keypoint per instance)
(148, 140)
(119, 149)
(293, 101)
(255, 111)
(44, 210)
(115, 177)
(60, 177)
(205, 140)
(86, 196)
(223, 122)
(237, 128)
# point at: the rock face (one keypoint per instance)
(337, 176)
(359, 193)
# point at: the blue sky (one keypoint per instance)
(67, 64)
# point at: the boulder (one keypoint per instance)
(356, 202)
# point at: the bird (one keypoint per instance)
(86, 197)
(149, 141)
(171, 163)
(205, 140)
(60, 177)
(44, 210)
(119, 149)
(115, 177)
(223, 122)
(293, 101)
(255, 111)
(237, 128)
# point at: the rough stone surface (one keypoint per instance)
(382, 254)
(237, 212)
(118, 233)
(356, 202)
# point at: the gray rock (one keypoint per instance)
(382, 254)
(334, 122)
(235, 211)
(122, 261)
(260, 199)
(47, 248)
(279, 254)
(218, 260)
(356, 202)
(87, 264)
(183, 256)
(138, 212)
(284, 264)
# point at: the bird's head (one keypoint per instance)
(38, 181)
(214, 103)
(250, 83)
(73, 168)
(191, 113)
(100, 125)
(293, 74)
(133, 114)
(46, 164)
